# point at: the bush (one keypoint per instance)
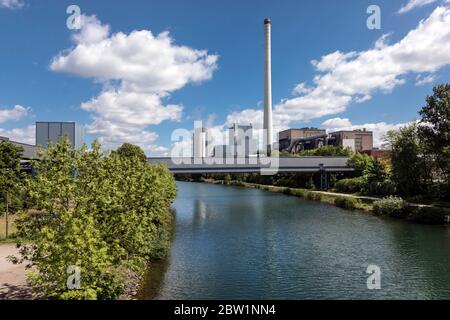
(350, 185)
(298, 193)
(346, 203)
(314, 196)
(428, 214)
(390, 206)
(380, 188)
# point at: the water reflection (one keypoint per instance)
(236, 243)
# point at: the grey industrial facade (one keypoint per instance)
(50, 132)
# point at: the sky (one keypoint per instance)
(137, 70)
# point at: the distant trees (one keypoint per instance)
(327, 150)
(10, 176)
(104, 214)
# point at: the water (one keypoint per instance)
(237, 243)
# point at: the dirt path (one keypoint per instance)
(13, 284)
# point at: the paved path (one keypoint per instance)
(13, 284)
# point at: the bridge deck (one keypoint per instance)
(249, 165)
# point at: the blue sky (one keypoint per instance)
(138, 87)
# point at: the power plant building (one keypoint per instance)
(50, 132)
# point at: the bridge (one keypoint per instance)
(263, 165)
(253, 165)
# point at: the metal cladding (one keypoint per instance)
(267, 86)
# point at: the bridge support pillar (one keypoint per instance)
(323, 178)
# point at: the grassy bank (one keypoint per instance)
(427, 214)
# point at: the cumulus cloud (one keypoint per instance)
(13, 114)
(379, 129)
(337, 123)
(412, 4)
(354, 77)
(11, 4)
(139, 71)
(24, 135)
(301, 88)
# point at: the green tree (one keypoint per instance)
(411, 168)
(327, 151)
(434, 129)
(10, 176)
(105, 214)
(131, 150)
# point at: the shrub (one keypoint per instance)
(298, 193)
(350, 185)
(314, 196)
(428, 214)
(346, 203)
(390, 206)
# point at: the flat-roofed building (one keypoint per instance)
(51, 132)
(29, 151)
(286, 137)
(357, 140)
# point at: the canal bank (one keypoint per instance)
(420, 213)
(246, 243)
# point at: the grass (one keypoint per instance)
(305, 193)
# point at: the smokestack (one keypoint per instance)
(267, 87)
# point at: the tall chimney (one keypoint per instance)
(267, 88)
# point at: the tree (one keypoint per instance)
(10, 177)
(327, 151)
(131, 150)
(104, 214)
(434, 129)
(411, 168)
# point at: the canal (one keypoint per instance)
(237, 243)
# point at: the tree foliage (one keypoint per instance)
(105, 214)
(434, 131)
(10, 176)
(129, 150)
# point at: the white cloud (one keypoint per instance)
(354, 77)
(301, 88)
(11, 4)
(13, 114)
(412, 4)
(423, 80)
(337, 122)
(139, 71)
(344, 78)
(379, 129)
(24, 135)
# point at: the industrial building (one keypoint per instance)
(240, 143)
(297, 140)
(29, 151)
(50, 132)
(287, 137)
(357, 140)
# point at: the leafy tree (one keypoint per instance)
(361, 162)
(435, 130)
(411, 168)
(105, 214)
(327, 151)
(10, 177)
(130, 150)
